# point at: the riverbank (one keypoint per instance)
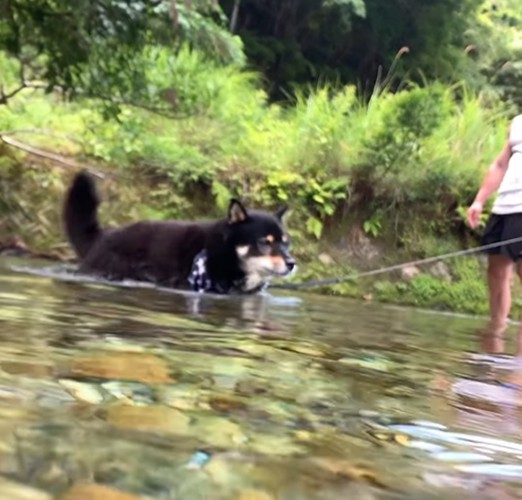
(33, 229)
(369, 183)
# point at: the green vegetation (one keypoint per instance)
(188, 125)
(465, 293)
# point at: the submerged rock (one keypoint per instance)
(132, 392)
(252, 494)
(9, 490)
(181, 397)
(273, 445)
(137, 367)
(148, 418)
(36, 370)
(87, 393)
(218, 431)
(348, 470)
(226, 403)
(97, 492)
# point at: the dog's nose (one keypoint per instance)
(290, 264)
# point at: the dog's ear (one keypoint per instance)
(236, 212)
(281, 212)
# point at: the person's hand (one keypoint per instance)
(474, 212)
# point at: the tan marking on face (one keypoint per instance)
(284, 238)
(261, 267)
(264, 265)
(242, 251)
(259, 264)
(277, 262)
(270, 238)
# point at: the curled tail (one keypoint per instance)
(80, 214)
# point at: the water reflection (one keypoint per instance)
(491, 399)
(483, 441)
(176, 395)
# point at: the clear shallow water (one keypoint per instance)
(129, 392)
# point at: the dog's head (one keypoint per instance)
(260, 243)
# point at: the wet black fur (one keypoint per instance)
(161, 251)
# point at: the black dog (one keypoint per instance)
(235, 255)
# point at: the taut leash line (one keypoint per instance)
(382, 270)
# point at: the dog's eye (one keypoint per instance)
(265, 242)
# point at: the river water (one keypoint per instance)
(125, 392)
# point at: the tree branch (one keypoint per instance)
(48, 155)
(5, 97)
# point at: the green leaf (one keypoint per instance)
(314, 226)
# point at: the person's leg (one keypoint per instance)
(518, 267)
(499, 283)
(492, 342)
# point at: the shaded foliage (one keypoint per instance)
(87, 43)
(298, 41)
(96, 47)
(101, 47)
(500, 26)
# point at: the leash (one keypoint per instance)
(395, 267)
